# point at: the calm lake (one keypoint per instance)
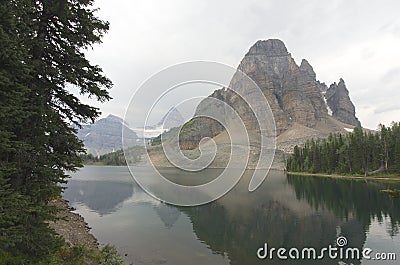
(286, 211)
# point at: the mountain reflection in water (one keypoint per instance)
(286, 211)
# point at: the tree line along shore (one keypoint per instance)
(358, 153)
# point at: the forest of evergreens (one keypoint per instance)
(42, 55)
(116, 158)
(358, 152)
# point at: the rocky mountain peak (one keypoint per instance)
(338, 99)
(292, 91)
(322, 87)
(303, 107)
(271, 47)
(105, 135)
(111, 119)
(307, 70)
(172, 119)
(342, 85)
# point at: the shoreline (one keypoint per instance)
(72, 226)
(81, 247)
(166, 167)
(322, 175)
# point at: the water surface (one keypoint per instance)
(286, 211)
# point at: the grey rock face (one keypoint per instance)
(271, 47)
(294, 94)
(197, 128)
(292, 91)
(172, 119)
(338, 100)
(322, 87)
(105, 135)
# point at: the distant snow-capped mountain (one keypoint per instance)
(105, 135)
(173, 118)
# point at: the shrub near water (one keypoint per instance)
(81, 255)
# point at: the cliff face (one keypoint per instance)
(291, 90)
(337, 97)
(299, 102)
(197, 128)
(303, 108)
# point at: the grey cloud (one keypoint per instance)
(147, 36)
(391, 76)
(388, 108)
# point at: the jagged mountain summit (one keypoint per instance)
(173, 118)
(303, 107)
(292, 91)
(105, 135)
(338, 100)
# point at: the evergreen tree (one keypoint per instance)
(385, 145)
(396, 146)
(354, 153)
(41, 53)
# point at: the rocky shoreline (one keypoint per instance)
(72, 227)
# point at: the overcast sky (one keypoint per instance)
(355, 40)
